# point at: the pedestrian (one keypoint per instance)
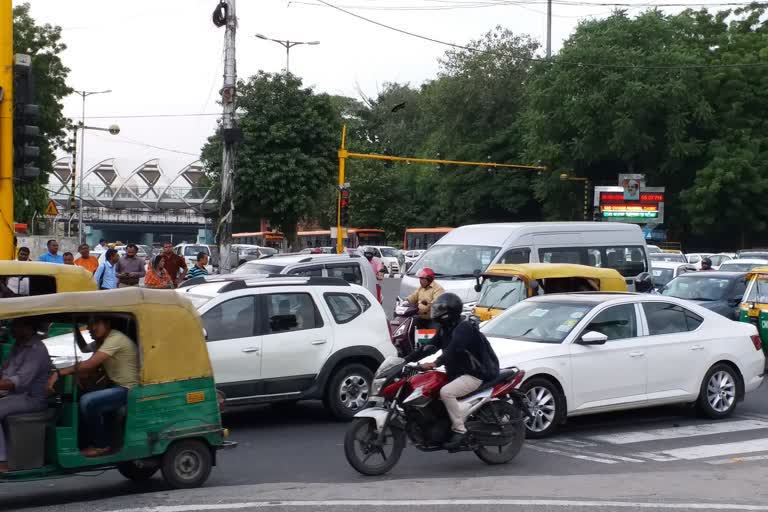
(157, 277)
(16, 286)
(199, 269)
(174, 264)
(88, 262)
(69, 258)
(24, 377)
(130, 268)
(102, 247)
(105, 275)
(52, 256)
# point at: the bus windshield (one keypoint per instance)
(455, 261)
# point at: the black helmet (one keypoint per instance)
(447, 308)
(707, 262)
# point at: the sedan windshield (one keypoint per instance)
(667, 256)
(459, 261)
(661, 276)
(540, 322)
(501, 292)
(698, 286)
(255, 268)
(388, 252)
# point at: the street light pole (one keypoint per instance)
(287, 45)
(83, 94)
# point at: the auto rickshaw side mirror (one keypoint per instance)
(478, 286)
(205, 334)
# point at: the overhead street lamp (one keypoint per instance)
(287, 45)
(83, 95)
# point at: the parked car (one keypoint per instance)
(190, 251)
(351, 268)
(719, 259)
(742, 264)
(594, 353)
(663, 272)
(718, 291)
(753, 253)
(651, 249)
(667, 256)
(286, 339)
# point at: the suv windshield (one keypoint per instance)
(501, 292)
(388, 252)
(459, 261)
(193, 250)
(252, 267)
(540, 322)
(698, 286)
(667, 256)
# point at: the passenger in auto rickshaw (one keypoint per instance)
(118, 356)
(23, 377)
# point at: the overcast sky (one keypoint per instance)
(165, 57)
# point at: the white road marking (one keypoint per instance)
(589, 452)
(572, 443)
(662, 434)
(737, 459)
(705, 451)
(449, 503)
(657, 457)
(572, 455)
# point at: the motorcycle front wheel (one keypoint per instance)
(363, 451)
(510, 417)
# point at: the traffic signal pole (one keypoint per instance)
(6, 131)
(342, 168)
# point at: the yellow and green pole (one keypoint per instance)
(6, 131)
(342, 162)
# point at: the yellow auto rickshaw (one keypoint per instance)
(502, 286)
(171, 422)
(754, 305)
(45, 278)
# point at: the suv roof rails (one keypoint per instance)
(242, 283)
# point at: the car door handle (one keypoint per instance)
(697, 347)
(248, 350)
(319, 342)
(636, 354)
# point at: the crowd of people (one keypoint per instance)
(115, 270)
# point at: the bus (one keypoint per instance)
(422, 238)
(359, 237)
(273, 239)
(317, 238)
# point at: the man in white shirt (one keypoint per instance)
(16, 286)
(102, 247)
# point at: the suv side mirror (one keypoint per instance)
(593, 338)
(478, 285)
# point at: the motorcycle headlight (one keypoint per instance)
(400, 330)
(377, 385)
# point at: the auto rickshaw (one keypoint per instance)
(502, 286)
(172, 421)
(754, 305)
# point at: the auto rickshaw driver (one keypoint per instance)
(117, 354)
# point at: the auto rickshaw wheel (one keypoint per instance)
(138, 473)
(187, 464)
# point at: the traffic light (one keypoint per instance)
(25, 116)
(344, 205)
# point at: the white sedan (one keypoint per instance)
(592, 353)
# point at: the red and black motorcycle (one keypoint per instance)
(406, 405)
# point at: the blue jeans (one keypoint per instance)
(94, 406)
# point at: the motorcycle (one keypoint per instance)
(405, 405)
(403, 327)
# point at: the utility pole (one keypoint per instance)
(549, 28)
(6, 131)
(224, 15)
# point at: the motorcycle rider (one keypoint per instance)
(468, 358)
(425, 296)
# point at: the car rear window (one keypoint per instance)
(344, 307)
(258, 268)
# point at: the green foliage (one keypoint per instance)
(286, 159)
(44, 44)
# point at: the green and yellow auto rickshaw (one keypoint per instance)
(172, 420)
(502, 286)
(754, 305)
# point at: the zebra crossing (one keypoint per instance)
(741, 439)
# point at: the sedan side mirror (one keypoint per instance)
(593, 338)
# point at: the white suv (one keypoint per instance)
(291, 338)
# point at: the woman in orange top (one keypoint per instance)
(157, 277)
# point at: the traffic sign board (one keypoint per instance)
(51, 209)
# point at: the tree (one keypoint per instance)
(286, 160)
(44, 44)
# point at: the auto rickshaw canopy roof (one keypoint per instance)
(610, 279)
(171, 341)
(69, 278)
(756, 271)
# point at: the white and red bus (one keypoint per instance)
(422, 238)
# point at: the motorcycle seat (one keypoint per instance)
(504, 374)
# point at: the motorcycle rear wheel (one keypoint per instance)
(502, 454)
(360, 450)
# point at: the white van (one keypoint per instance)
(457, 255)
